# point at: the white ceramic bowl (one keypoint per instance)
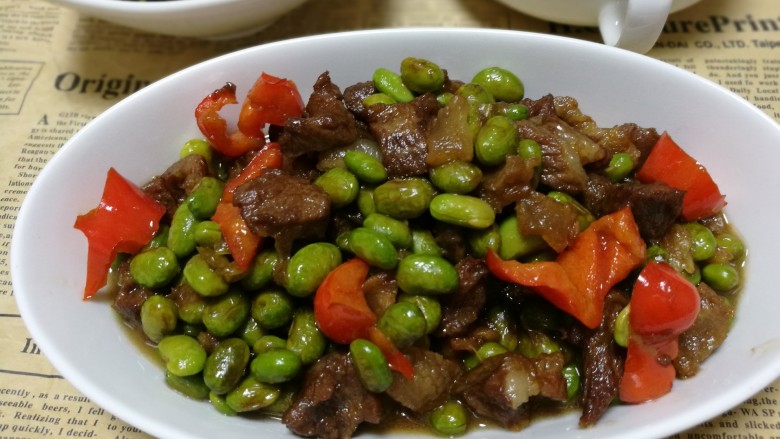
(141, 135)
(212, 19)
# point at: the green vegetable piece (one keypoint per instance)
(251, 332)
(424, 243)
(154, 268)
(500, 83)
(160, 238)
(203, 279)
(341, 186)
(309, 266)
(269, 342)
(531, 344)
(305, 338)
(721, 277)
(208, 234)
(450, 419)
(421, 75)
(378, 98)
(482, 239)
(391, 84)
(430, 307)
(462, 210)
(693, 276)
(620, 332)
(571, 374)
(456, 177)
(373, 247)
(272, 308)
(475, 94)
(225, 314)
(251, 395)
(501, 320)
(205, 196)
(495, 140)
(620, 165)
(531, 150)
(191, 386)
(261, 273)
(426, 274)
(703, 242)
(365, 201)
(197, 146)
(219, 403)
(516, 112)
(444, 98)
(159, 316)
(225, 365)
(403, 198)
(397, 231)
(182, 354)
(730, 246)
(403, 323)
(365, 167)
(276, 366)
(490, 349)
(514, 244)
(656, 253)
(181, 236)
(371, 365)
(583, 215)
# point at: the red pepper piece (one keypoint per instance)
(270, 102)
(582, 275)
(215, 129)
(669, 164)
(124, 222)
(270, 157)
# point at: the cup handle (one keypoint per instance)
(633, 24)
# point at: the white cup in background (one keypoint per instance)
(630, 24)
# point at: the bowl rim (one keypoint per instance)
(123, 409)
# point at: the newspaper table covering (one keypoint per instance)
(58, 70)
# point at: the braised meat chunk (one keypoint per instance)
(170, 187)
(434, 376)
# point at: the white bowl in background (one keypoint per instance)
(212, 19)
(141, 136)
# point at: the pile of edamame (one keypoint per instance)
(243, 341)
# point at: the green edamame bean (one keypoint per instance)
(282, 403)
(516, 112)
(620, 165)
(490, 349)
(191, 386)
(365, 201)
(225, 314)
(730, 246)
(365, 167)
(703, 242)
(513, 243)
(219, 403)
(571, 374)
(251, 332)
(341, 186)
(160, 238)
(656, 253)
(456, 177)
(203, 279)
(482, 239)
(721, 277)
(208, 234)
(450, 419)
(261, 272)
(225, 365)
(181, 236)
(529, 149)
(403, 198)
(495, 140)
(205, 196)
(272, 308)
(421, 75)
(154, 268)
(190, 304)
(391, 84)
(475, 94)
(196, 146)
(500, 83)
(372, 247)
(426, 274)
(620, 332)
(531, 344)
(397, 231)
(309, 266)
(694, 276)
(403, 323)
(159, 317)
(430, 308)
(500, 319)
(444, 98)
(378, 98)
(462, 210)
(371, 365)
(305, 338)
(251, 395)
(424, 243)
(182, 354)
(269, 342)
(276, 366)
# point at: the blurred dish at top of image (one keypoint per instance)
(210, 19)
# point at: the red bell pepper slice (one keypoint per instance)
(582, 275)
(215, 129)
(669, 164)
(270, 157)
(663, 305)
(343, 315)
(270, 101)
(124, 222)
